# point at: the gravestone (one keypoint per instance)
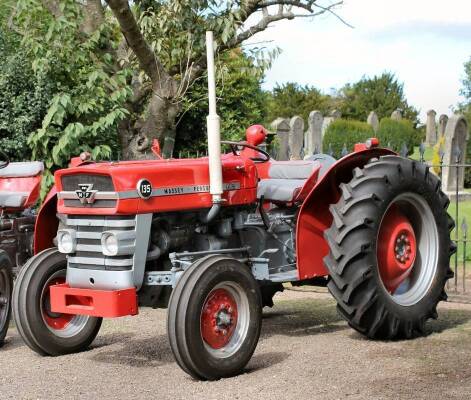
(442, 124)
(328, 120)
(281, 128)
(296, 138)
(431, 128)
(313, 135)
(373, 120)
(456, 140)
(396, 115)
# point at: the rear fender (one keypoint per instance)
(45, 229)
(314, 216)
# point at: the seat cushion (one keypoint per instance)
(12, 199)
(283, 190)
(22, 169)
(292, 169)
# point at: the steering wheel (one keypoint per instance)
(4, 160)
(235, 148)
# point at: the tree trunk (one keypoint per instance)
(160, 123)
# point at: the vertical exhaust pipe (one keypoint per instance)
(214, 127)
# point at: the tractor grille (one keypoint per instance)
(89, 253)
(102, 183)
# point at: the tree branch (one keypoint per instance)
(282, 13)
(136, 41)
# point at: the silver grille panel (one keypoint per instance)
(88, 267)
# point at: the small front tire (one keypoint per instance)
(6, 287)
(44, 331)
(214, 318)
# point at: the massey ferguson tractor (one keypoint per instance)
(214, 238)
(19, 191)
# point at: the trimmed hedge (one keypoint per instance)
(342, 132)
(394, 134)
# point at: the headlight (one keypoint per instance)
(66, 241)
(109, 244)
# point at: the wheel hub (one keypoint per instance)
(396, 248)
(55, 321)
(218, 318)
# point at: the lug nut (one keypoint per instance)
(224, 332)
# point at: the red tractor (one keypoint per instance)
(19, 191)
(213, 239)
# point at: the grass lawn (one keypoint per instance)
(428, 155)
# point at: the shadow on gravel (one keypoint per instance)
(301, 318)
(265, 360)
(12, 343)
(142, 353)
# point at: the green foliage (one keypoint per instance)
(90, 94)
(293, 99)
(240, 103)
(24, 98)
(382, 94)
(346, 133)
(395, 134)
(465, 109)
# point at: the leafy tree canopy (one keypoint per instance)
(292, 99)
(382, 94)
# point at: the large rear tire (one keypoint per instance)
(44, 331)
(390, 248)
(6, 288)
(214, 318)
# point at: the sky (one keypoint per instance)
(424, 42)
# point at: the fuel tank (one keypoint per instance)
(137, 187)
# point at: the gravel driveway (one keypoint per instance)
(306, 352)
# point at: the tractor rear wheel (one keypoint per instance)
(390, 248)
(44, 331)
(6, 288)
(214, 318)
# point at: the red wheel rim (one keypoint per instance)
(218, 318)
(55, 321)
(396, 248)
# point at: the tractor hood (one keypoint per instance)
(133, 187)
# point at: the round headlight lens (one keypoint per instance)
(110, 244)
(65, 242)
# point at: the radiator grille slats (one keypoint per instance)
(89, 253)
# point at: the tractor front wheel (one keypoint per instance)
(44, 331)
(6, 287)
(214, 318)
(390, 248)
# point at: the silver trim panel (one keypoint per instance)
(160, 192)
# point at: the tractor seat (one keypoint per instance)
(13, 199)
(22, 169)
(286, 178)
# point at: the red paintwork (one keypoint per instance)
(396, 248)
(369, 144)
(30, 185)
(314, 216)
(218, 336)
(46, 225)
(59, 321)
(96, 303)
(167, 174)
(256, 134)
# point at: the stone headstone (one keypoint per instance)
(296, 138)
(313, 135)
(456, 141)
(373, 120)
(431, 128)
(328, 120)
(281, 128)
(443, 120)
(396, 115)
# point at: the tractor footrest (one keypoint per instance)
(96, 303)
